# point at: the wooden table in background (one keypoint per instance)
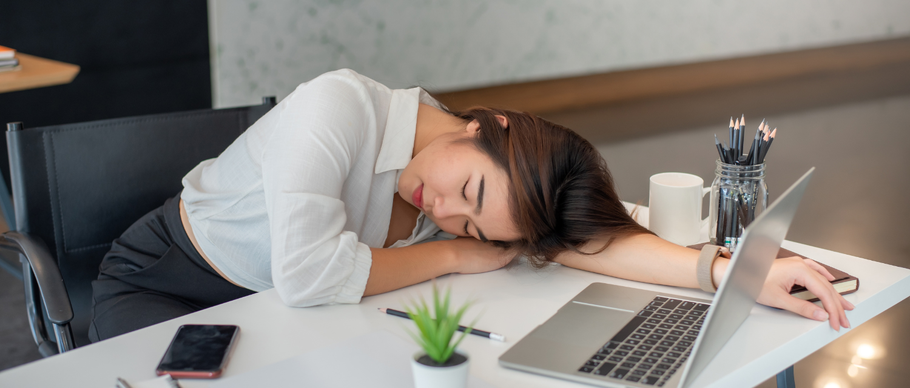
(35, 73)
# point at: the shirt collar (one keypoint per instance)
(401, 128)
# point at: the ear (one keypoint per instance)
(503, 121)
(473, 127)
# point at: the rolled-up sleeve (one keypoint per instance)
(304, 166)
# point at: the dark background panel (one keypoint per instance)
(136, 57)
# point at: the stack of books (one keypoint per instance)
(8, 60)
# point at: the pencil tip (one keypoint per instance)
(381, 309)
(731, 121)
(774, 132)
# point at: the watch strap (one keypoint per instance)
(706, 258)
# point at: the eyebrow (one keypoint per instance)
(479, 208)
(479, 197)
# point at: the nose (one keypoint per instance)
(445, 209)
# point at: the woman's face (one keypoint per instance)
(460, 188)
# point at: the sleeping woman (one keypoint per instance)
(347, 189)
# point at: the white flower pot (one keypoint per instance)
(426, 376)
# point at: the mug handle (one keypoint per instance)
(704, 222)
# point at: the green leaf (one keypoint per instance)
(445, 306)
(466, 332)
(436, 328)
(436, 306)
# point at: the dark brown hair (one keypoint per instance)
(562, 193)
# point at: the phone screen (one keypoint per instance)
(198, 350)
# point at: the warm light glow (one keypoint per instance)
(831, 381)
(865, 351)
(857, 360)
(853, 370)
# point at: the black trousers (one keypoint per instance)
(152, 274)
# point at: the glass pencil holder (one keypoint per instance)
(738, 195)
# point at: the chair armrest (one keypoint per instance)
(44, 266)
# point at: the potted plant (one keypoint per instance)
(438, 364)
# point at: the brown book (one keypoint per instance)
(843, 282)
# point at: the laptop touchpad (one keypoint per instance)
(617, 297)
(583, 325)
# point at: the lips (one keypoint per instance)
(417, 197)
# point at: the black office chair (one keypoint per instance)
(77, 187)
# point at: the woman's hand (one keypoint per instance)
(393, 268)
(473, 256)
(785, 273)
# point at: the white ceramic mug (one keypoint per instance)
(674, 204)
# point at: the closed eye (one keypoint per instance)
(465, 196)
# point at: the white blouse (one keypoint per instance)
(298, 199)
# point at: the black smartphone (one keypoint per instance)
(199, 351)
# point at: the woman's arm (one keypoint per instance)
(641, 257)
(394, 268)
(648, 258)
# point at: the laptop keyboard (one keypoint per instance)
(653, 345)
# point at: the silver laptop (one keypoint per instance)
(618, 336)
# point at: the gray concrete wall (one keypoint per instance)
(268, 47)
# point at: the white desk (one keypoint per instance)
(513, 300)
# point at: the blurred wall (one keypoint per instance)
(268, 47)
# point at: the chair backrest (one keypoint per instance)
(79, 186)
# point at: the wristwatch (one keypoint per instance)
(709, 253)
